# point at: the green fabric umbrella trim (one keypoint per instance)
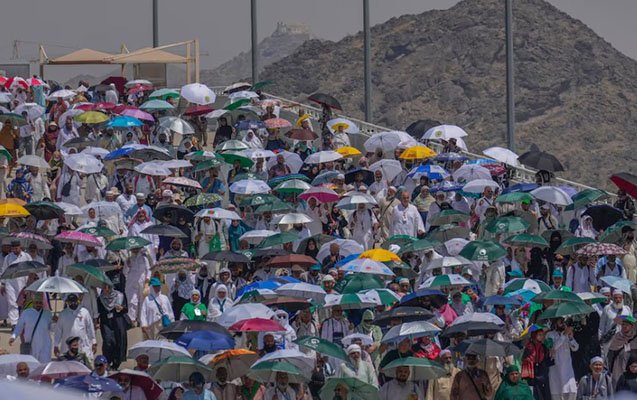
(399, 240)
(208, 164)
(266, 371)
(450, 217)
(514, 197)
(527, 240)
(419, 245)
(98, 231)
(260, 85)
(127, 243)
(276, 206)
(566, 309)
(354, 283)
(507, 225)
(557, 296)
(483, 250)
(93, 277)
(203, 199)
(278, 239)
(231, 158)
(569, 246)
(237, 104)
(585, 197)
(322, 346)
(357, 389)
(257, 200)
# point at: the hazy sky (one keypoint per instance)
(223, 26)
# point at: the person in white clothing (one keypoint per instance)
(34, 327)
(127, 199)
(39, 183)
(155, 308)
(137, 271)
(281, 390)
(74, 321)
(356, 368)
(363, 224)
(12, 287)
(379, 185)
(406, 219)
(611, 311)
(561, 375)
(484, 202)
(111, 95)
(581, 276)
(129, 391)
(219, 303)
(96, 185)
(401, 387)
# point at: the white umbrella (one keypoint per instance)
(242, 94)
(134, 82)
(34, 110)
(302, 290)
(410, 330)
(323, 157)
(157, 350)
(217, 113)
(198, 93)
(478, 185)
(103, 209)
(22, 389)
(153, 169)
(447, 262)
(259, 153)
(503, 155)
(444, 281)
(176, 125)
(477, 317)
(471, 172)
(294, 218)
(351, 201)
(218, 213)
(33, 161)
(365, 339)
(347, 247)
(249, 186)
(73, 112)
(174, 164)
(444, 132)
(8, 362)
(83, 163)
(292, 160)
(389, 141)
(56, 284)
(294, 184)
(390, 168)
(256, 236)
(299, 359)
(72, 209)
(366, 266)
(553, 195)
(64, 93)
(237, 85)
(244, 311)
(95, 151)
(351, 127)
(454, 246)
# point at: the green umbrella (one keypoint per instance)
(43, 210)
(266, 372)
(15, 118)
(295, 186)
(257, 200)
(507, 225)
(277, 239)
(98, 231)
(231, 158)
(557, 296)
(447, 232)
(534, 285)
(322, 346)
(245, 175)
(571, 245)
(419, 245)
(566, 309)
(277, 206)
(237, 104)
(482, 250)
(356, 389)
(203, 199)
(178, 369)
(354, 283)
(514, 197)
(613, 234)
(93, 277)
(164, 94)
(127, 243)
(421, 369)
(230, 145)
(399, 240)
(401, 269)
(450, 217)
(5, 153)
(156, 104)
(208, 164)
(527, 240)
(320, 239)
(201, 155)
(260, 85)
(387, 297)
(585, 197)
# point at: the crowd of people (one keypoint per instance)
(280, 257)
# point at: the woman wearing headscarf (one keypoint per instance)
(536, 360)
(537, 268)
(180, 291)
(220, 303)
(311, 249)
(628, 380)
(194, 310)
(585, 228)
(367, 327)
(252, 140)
(112, 308)
(235, 231)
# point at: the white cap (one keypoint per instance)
(328, 278)
(617, 292)
(140, 196)
(604, 290)
(167, 193)
(353, 348)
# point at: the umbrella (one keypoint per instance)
(48, 372)
(91, 276)
(198, 93)
(176, 125)
(302, 290)
(76, 237)
(23, 268)
(471, 172)
(156, 105)
(417, 153)
(33, 161)
(127, 243)
(83, 163)
(174, 211)
(256, 325)
(570, 245)
(419, 245)
(388, 141)
(321, 194)
(237, 86)
(218, 213)
(488, 348)
(445, 186)
(350, 301)
(226, 255)
(447, 262)
(367, 266)
(8, 363)
(64, 93)
(323, 157)
(178, 328)
(500, 300)
(420, 368)
(249, 186)
(348, 151)
(447, 280)
(104, 209)
(326, 100)
(256, 236)
(266, 371)
(446, 232)
(601, 249)
(124, 122)
(556, 296)
(236, 362)
(278, 239)
(594, 298)
(206, 341)
(450, 217)
(483, 251)
(363, 175)
(152, 168)
(478, 185)
(230, 145)
(151, 388)
(244, 311)
(92, 117)
(292, 160)
(164, 94)
(300, 134)
(347, 247)
(289, 259)
(164, 230)
(27, 238)
(618, 283)
(586, 197)
(203, 199)
(385, 297)
(320, 239)
(541, 160)
(322, 346)
(56, 284)
(514, 197)
(351, 201)
(503, 155)
(614, 234)
(94, 151)
(526, 240)
(174, 264)
(604, 216)
(507, 225)
(293, 218)
(444, 132)
(533, 285)
(410, 330)
(381, 255)
(566, 309)
(274, 123)
(626, 182)
(295, 186)
(98, 231)
(553, 195)
(90, 384)
(389, 168)
(356, 389)
(43, 210)
(433, 172)
(404, 314)
(475, 324)
(341, 123)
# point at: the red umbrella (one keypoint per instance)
(495, 169)
(151, 388)
(85, 107)
(198, 110)
(291, 259)
(3, 80)
(256, 325)
(120, 108)
(35, 82)
(16, 81)
(277, 123)
(300, 134)
(626, 182)
(105, 105)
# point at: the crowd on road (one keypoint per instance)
(268, 255)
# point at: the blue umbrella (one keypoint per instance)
(124, 122)
(446, 186)
(119, 153)
(501, 300)
(90, 384)
(325, 177)
(414, 299)
(347, 259)
(269, 284)
(205, 341)
(521, 187)
(482, 161)
(434, 172)
(249, 124)
(286, 279)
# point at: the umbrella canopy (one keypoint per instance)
(604, 216)
(381, 255)
(174, 264)
(346, 248)
(174, 211)
(448, 280)
(323, 157)
(410, 330)
(570, 245)
(541, 160)
(444, 132)
(182, 181)
(478, 185)
(127, 243)
(417, 153)
(10, 210)
(300, 134)
(249, 186)
(447, 262)
(321, 194)
(90, 384)
(614, 232)
(24, 268)
(8, 363)
(103, 209)
(618, 283)
(176, 125)
(77, 237)
(482, 250)
(322, 346)
(164, 230)
(514, 197)
(553, 195)
(156, 105)
(500, 300)
(124, 122)
(302, 290)
(533, 285)
(526, 240)
(503, 155)
(389, 141)
(244, 311)
(151, 388)
(350, 301)
(404, 314)
(475, 324)
(236, 362)
(92, 117)
(507, 225)
(351, 201)
(157, 350)
(198, 93)
(292, 186)
(152, 168)
(626, 182)
(556, 296)
(367, 266)
(53, 370)
(601, 249)
(56, 284)
(178, 328)
(326, 100)
(586, 197)
(389, 168)
(202, 200)
(256, 325)
(43, 210)
(266, 372)
(278, 239)
(205, 341)
(433, 172)
(91, 276)
(342, 124)
(471, 172)
(566, 309)
(420, 368)
(356, 389)
(83, 163)
(487, 348)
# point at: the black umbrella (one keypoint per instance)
(259, 253)
(23, 268)
(102, 264)
(603, 216)
(418, 128)
(42, 210)
(164, 230)
(366, 176)
(226, 255)
(80, 143)
(424, 297)
(178, 328)
(326, 100)
(487, 347)
(472, 328)
(541, 160)
(175, 212)
(404, 313)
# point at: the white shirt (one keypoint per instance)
(125, 201)
(394, 390)
(406, 221)
(150, 313)
(77, 322)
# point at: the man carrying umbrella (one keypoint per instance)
(401, 388)
(155, 309)
(35, 327)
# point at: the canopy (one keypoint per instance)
(82, 56)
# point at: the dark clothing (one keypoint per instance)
(79, 357)
(394, 355)
(627, 206)
(113, 327)
(328, 263)
(223, 133)
(627, 382)
(589, 347)
(275, 144)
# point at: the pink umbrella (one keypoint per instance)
(277, 123)
(58, 370)
(139, 88)
(321, 194)
(256, 325)
(105, 105)
(181, 181)
(30, 236)
(139, 114)
(85, 107)
(76, 237)
(601, 249)
(120, 108)
(151, 388)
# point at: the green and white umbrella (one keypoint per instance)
(526, 240)
(295, 186)
(156, 105)
(178, 369)
(322, 346)
(350, 301)
(91, 276)
(571, 245)
(533, 285)
(356, 389)
(98, 231)
(507, 225)
(613, 234)
(410, 330)
(266, 372)
(566, 309)
(420, 369)
(419, 245)
(278, 239)
(56, 284)
(232, 145)
(450, 217)
(482, 250)
(448, 280)
(514, 197)
(448, 232)
(447, 262)
(385, 297)
(556, 296)
(127, 243)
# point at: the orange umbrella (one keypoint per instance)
(10, 210)
(237, 362)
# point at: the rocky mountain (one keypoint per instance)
(576, 96)
(283, 42)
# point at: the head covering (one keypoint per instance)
(558, 273)
(512, 368)
(596, 359)
(155, 282)
(617, 292)
(72, 339)
(192, 293)
(328, 278)
(366, 327)
(444, 353)
(394, 248)
(101, 360)
(167, 193)
(604, 290)
(110, 300)
(353, 348)
(140, 196)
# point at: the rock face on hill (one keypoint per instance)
(576, 96)
(283, 42)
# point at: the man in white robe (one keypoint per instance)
(39, 183)
(137, 271)
(406, 219)
(154, 307)
(75, 321)
(318, 213)
(12, 287)
(127, 199)
(561, 376)
(357, 368)
(96, 185)
(35, 326)
(401, 387)
(363, 224)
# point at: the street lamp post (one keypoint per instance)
(367, 62)
(155, 24)
(254, 37)
(508, 23)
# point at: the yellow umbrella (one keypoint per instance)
(13, 210)
(301, 119)
(13, 200)
(380, 255)
(417, 152)
(92, 117)
(348, 151)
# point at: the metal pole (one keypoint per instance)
(367, 62)
(255, 38)
(155, 24)
(508, 22)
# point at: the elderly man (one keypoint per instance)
(387, 205)
(280, 168)
(440, 388)
(401, 388)
(140, 204)
(363, 224)
(472, 383)
(484, 202)
(356, 368)
(126, 200)
(12, 287)
(39, 183)
(22, 370)
(405, 218)
(34, 327)
(281, 390)
(75, 321)
(610, 314)
(380, 185)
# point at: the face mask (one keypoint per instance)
(182, 278)
(73, 306)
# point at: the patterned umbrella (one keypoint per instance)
(599, 249)
(76, 237)
(274, 123)
(170, 265)
(58, 370)
(181, 181)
